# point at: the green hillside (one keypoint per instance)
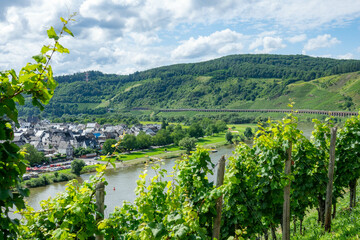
(237, 81)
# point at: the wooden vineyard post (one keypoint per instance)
(329, 188)
(100, 197)
(219, 182)
(286, 206)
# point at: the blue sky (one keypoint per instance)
(123, 36)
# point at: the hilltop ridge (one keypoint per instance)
(248, 81)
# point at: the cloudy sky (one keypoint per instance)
(123, 36)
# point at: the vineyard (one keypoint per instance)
(266, 186)
(182, 204)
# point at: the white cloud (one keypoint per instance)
(145, 38)
(218, 43)
(96, 34)
(321, 41)
(268, 44)
(147, 15)
(125, 35)
(297, 38)
(346, 56)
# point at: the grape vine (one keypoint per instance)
(181, 204)
(35, 79)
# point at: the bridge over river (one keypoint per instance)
(322, 112)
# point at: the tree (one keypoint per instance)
(82, 151)
(162, 137)
(220, 125)
(77, 165)
(248, 133)
(211, 129)
(164, 124)
(36, 80)
(195, 130)
(188, 143)
(143, 140)
(33, 156)
(177, 134)
(129, 142)
(229, 136)
(108, 146)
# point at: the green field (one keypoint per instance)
(148, 152)
(171, 150)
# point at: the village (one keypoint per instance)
(61, 139)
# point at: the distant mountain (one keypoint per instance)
(236, 81)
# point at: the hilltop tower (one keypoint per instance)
(87, 77)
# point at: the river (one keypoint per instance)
(121, 182)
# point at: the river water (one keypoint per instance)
(122, 181)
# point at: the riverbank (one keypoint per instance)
(45, 179)
(124, 160)
(122, 181)
(167, 152)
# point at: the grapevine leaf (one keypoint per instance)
(63, 20)
(4, 194)
(14, 77)
(45, 49)
(157, 229)
(181, 232)
(68, 31)
(36, 103)
(20, 99)
(39, 58)
(61, 49)
(52, 34)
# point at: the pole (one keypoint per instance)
(329, 188)
(286, 207)
(219, 182)
(100, 197)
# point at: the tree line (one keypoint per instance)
(168, 134)
(216, 83)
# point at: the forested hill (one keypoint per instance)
(236, 81)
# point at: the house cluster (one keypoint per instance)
(63, 138)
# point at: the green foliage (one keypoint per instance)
(345, 225)
(255, 180)
(229, 136)
(129, 142)
(348, 155)
(77, 165)
(46, 179)
(238, 81)
(83, 151)
(195, 130)
(248, 133)
(162, 137)
(188, 143)
(178, 134)
(220, 126)
(182, 205)
(143, 140)
(176, 209)
(32, 155)
(36, 81)
(108, 146)
(69, 215)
